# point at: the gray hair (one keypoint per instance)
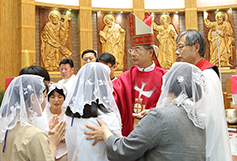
(194, 37)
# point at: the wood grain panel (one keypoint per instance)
(191, 20)
(139, 8)
(85, 28)
(26, 29)
(9, 40)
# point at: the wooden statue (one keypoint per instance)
(220, 33)
(112, 38)
(53, 38)
(167, 41)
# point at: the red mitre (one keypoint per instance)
(141, 32)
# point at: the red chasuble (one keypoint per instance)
(134, 91)
(204, 64)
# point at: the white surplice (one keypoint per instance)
(217, 139)
(69, 84)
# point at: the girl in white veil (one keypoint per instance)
(54, 109)
(20, 135)
(92, 98)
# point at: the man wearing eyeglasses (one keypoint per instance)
(138, 89)
(191, 47)
(88, 56)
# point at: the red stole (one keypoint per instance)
(204, 64)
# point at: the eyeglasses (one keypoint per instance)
(136, 51)
(180, 47)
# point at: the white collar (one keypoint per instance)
(148, 69)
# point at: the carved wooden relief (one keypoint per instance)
(55, 37)
(166, 28)
(219, 33)
(111, 37)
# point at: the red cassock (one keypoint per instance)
(134, 91)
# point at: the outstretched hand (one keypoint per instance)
(99, 133)
(56, 135)
(53, 121)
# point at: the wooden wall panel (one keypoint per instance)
(26, 29)
(139, 8)
(85, 27)
(85, 3)
(94, 28)
(9, 40)
(191, 19)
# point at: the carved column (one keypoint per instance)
(26, 30)
(85, 27)
(139, 8)
(191, 17)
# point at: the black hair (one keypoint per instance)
(60, 91)
(36, 70)
(106, 58)
(177, 87)
(88, 51)
(46, 87)
(89, 110)
(67, 61)
(148, 47)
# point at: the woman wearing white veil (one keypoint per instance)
(92, 98)
(20, 135)
(172, 131)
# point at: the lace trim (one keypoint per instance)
(197, 120)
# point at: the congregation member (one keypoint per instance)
(91, 99)
(191, 47)
(138, 89)
(56, 96)
(88, 56)
(20, 135)
(174, 130)
(108, 59)
(66, 70)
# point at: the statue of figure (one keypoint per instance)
(167, 41)
(220, 31)
(113, 38)
(54, 37)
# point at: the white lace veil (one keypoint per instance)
(22, 103)
(92, 83)
(184, 85)
(58, 86)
